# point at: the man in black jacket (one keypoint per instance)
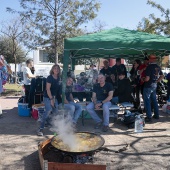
(124, 91)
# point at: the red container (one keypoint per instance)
(35, 110)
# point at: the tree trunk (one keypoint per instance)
(56, 57)
(55, 33)
(14, 55)
(15, 69)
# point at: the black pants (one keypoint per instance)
(27, 93)
(168, 92)
(136, 94)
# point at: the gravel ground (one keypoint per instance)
(130, 151)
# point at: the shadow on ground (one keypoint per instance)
(31, 162)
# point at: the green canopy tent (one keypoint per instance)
(111, 43)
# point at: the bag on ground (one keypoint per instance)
(129, 118)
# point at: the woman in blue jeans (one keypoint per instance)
(50, 97)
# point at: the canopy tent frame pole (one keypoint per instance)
(64, 74)
(73, 61)
(85, 66)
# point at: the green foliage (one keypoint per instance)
(12, 35)
(6, 46)
(156, 25)
(99, 26)
(50, 21)
(86, 61)
(50, 49)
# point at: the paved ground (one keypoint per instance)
(148, 150)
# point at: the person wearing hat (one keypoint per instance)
(74, 109)
(153, 76)
(118, 68)
(124, 91)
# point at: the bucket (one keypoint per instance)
(23, 110)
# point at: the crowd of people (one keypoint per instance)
(110, 85)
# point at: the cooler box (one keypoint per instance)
(84, 112)
(86, 115)
(35, 110)
(23, 110)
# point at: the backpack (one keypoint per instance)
(129, 118)
(37, 89)
(40, 84)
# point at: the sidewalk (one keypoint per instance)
(148, 150)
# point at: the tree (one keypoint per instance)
(54, 20)
(13, 33)
(156, 25)
(99, 26)
(86, 61)
(6, 50)
(50, 51)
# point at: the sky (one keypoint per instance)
(114, 13)
(121, 13)
(127, 13)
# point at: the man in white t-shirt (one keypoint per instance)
(27, 78)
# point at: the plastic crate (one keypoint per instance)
(23, 110)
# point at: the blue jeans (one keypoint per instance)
(90, 108)
(74, 109)
(115, 100)
(48, 110)
(149, 95)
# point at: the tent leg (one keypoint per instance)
(73, 64)
(64, 74)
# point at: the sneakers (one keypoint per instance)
(98, 125)
(105, 128)
(155, 117)
(147, 119)
(40, 132)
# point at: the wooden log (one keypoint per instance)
(73, 166)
